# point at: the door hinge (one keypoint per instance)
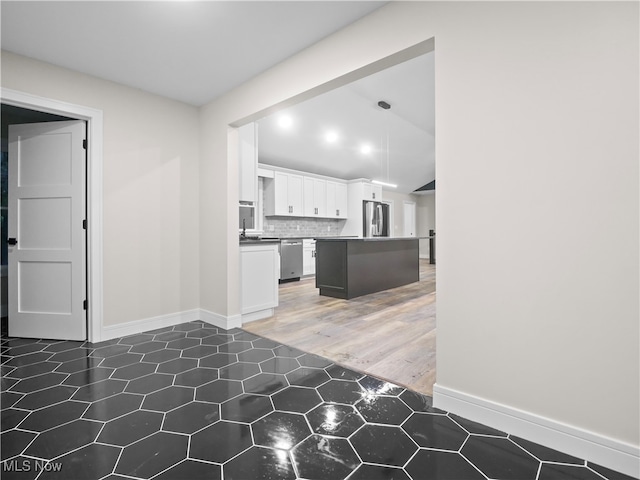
(84, 143)
(84, 223)
(84, 305)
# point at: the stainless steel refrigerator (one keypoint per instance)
(376, 219)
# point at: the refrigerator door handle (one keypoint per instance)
(374, 220)
(369, 220)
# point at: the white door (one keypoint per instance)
(47, 241)
(409, 219)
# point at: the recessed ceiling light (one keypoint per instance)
(285, 121)
(331, 136)
(365, 149)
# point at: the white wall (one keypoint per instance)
(537, 171)
(150, 205)
(538, 213)
(398, 200)
(426, 213)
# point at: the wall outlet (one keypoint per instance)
(298, 227)
(328, 228)
(272, 227)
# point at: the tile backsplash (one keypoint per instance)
(302, 227)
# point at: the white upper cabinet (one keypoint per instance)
(248, 156)
(341, 200)
(359, 191)
(336, 200)
(295, 190)
(331, 197)
(315, 194)
(372, 192)
(283, 195)
(295, 194)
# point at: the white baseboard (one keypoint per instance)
(259, 315)
(153, 323)
(146, 324)
(613, 454)
(221, 321)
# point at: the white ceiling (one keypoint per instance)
(195, 51)
(192, 51)
(353, 113)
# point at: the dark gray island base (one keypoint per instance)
(352, 267)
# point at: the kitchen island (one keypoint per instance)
(351, 267)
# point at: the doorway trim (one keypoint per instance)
(94, 120)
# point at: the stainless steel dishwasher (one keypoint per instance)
(290, 259)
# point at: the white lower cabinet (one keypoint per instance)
(259, 274)
(308, 256)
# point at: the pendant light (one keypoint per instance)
(385, 106)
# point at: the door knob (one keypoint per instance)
(12, 241)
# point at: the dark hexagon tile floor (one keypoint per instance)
(197, 402)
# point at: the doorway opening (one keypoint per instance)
(93, 119)
(342, 332)
(12, 115)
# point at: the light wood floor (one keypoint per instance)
(390, 334)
